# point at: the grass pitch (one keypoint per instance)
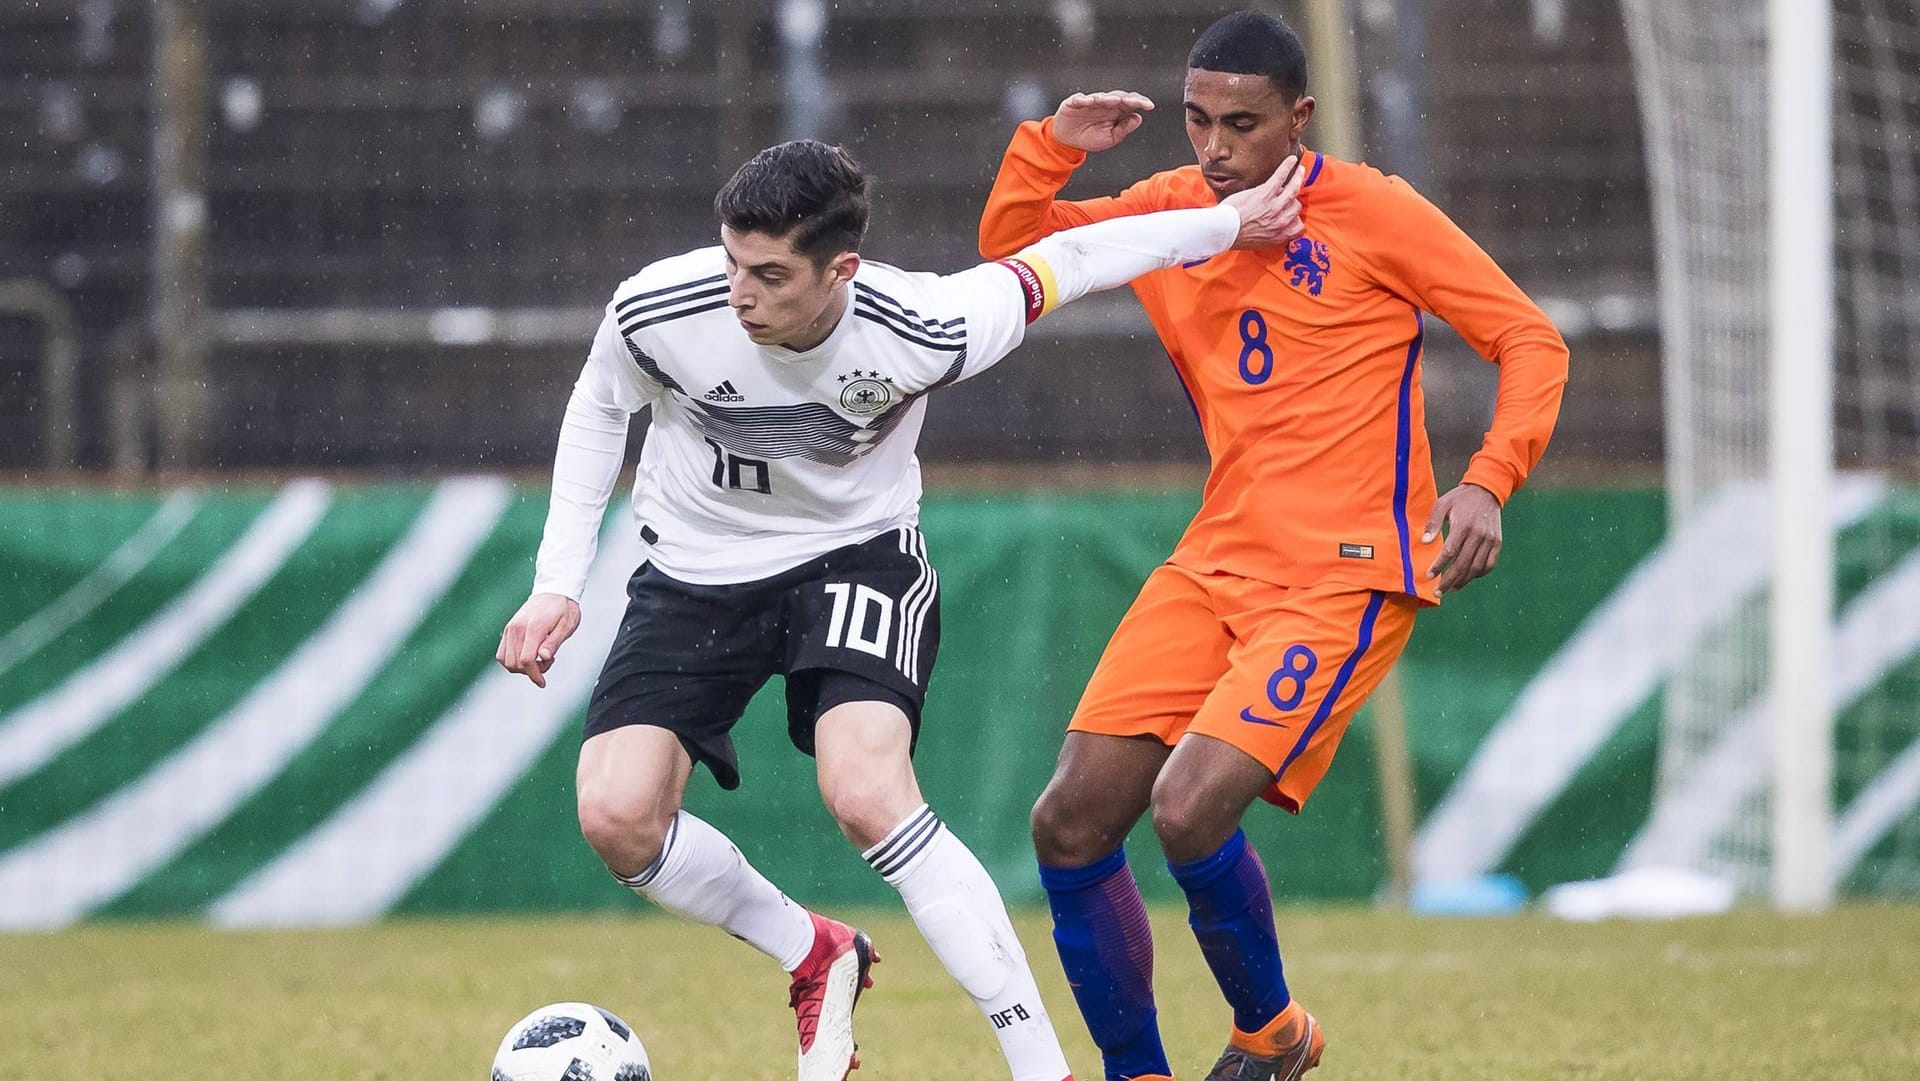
(1746, 996)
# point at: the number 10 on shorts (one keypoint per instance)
(855, 624)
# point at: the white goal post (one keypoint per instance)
(1801, 359)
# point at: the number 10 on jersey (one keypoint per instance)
(862, 618)
(742, 474)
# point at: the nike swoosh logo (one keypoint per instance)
(1249, 716)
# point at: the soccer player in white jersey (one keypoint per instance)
(777, 496)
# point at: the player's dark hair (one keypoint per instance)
(812, 194)
(1253, 43)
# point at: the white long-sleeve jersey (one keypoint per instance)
(761, 458)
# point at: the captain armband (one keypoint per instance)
(1037, 282)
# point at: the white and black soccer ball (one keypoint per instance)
(571, 1041)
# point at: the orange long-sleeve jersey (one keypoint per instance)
(1304, 365)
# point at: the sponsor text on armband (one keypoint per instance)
(1032, 284)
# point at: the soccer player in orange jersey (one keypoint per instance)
(1319, 535)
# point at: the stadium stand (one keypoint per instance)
(417, 207)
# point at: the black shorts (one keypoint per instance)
(859, 624)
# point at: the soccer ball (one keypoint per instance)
(571, 1041)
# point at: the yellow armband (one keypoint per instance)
(1036, 280)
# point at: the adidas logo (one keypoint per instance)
(724, 393)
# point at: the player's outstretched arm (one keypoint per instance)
(1107, 254)
(1067, 265)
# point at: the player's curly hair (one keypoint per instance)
(812, 194)
(1253, 43)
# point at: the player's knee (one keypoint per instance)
(1066, 835)
(865, 770)
(1053, 833)
(1190, 823)
(627, 830)
(867, 808)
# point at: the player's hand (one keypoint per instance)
(1270, 213)
(1470, 517)
(534, 634)
(1096, 122)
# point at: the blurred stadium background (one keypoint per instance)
(291, 296)
(401, 218)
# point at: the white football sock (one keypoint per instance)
(702, 876)
(959, 912)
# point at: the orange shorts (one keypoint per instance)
(1276, 671)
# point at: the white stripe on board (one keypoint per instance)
(369, 853)
(1882, 805)
(129, 559)
(1879, 630)
(61, 875)
(1893, 794)
(1611, 664)
(91, 696)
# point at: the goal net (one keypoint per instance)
(1701, 69)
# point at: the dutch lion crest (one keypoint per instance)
(1307, 264)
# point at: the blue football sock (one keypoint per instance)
(1106, 946)
(1231, 912)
